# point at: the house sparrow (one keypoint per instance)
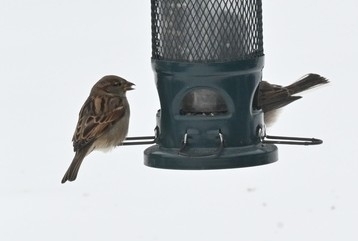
(103, 121)
(270, 97)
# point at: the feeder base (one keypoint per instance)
(234, 157)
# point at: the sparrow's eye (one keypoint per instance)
(117, 84)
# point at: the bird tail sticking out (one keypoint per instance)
(72, 171)
(305, 83)
(271, 97)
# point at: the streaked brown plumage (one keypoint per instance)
(103, 121)
(270, 97)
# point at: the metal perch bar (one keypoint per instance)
(291, 140)
(137, 140)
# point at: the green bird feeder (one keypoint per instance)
(207, 56)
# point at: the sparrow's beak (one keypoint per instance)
(129, 86)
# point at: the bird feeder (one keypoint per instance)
(207, 57)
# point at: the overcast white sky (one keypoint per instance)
(52, 52)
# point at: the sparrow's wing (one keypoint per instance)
(271, 97)
(96, 116)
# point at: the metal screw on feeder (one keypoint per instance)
(207, 57)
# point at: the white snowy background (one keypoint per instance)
(52, 52)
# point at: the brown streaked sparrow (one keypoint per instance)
(103, 121)
(270, 97)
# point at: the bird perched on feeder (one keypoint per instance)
(270, 97)
(103, 121)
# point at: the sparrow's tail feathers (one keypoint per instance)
(72, 171)
(271, 97)
(307, 82)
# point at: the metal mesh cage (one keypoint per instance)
(206, 30)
